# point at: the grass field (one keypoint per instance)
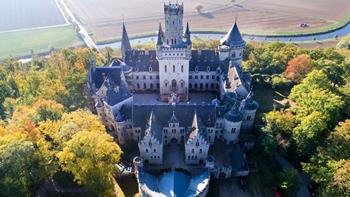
(24, 43)
(24, 14)
(254, 16)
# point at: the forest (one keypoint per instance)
(47, 132)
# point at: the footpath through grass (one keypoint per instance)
(28, 42)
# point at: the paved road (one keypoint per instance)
(303, 190)
(84, 35)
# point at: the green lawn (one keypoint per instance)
(23, 43)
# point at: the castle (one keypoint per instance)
(185, 108)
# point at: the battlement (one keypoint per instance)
(175, 8)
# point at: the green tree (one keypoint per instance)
(288, 180)
(309, 134)
(20, 167)
(91, 158)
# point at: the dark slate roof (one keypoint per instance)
(154, 127)
(233, 37)
(99, 74)
(141, 60)
(173, 118)
(201, 60)
(184, 114)
(234, 115)
(117, 93)
(188, 34)
(250, 104)
(204, 59)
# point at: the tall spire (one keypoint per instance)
(188, 34)
(125, 41)
(160, 35)
(233, 37)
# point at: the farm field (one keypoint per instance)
(25, 14)
(254, 16)
(28, 42)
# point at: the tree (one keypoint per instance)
(289, 181)
(91, 158)
(330, 167)
(20, 168)
(298, 67)
(309, 134)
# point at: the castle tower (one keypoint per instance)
(232, 45)
(173, 23)
(174, 55)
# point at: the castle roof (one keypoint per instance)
(234, 115)
(202, 60)
(233, 37)
(173, 118)
(160, 35)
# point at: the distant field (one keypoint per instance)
(23, 14)
(103, 18)
(22, 43)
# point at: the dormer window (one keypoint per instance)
(150, 69)
(196, 69)
(208, 69)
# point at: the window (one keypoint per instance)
(165, 68)
(248, 117)
(151, 86)
(157, 85)
(196, 77)
(146, 150)
(201, 76)
(190, 85)
(207, 76)
(173, 68)
(150, 77)
(144, 86)
(154, 150)
(165, 131)
(190, 76)
(173, 130)
(144, 77)
(137, 77)
(233, 130)
(138, 86)
(197, 144)
(200, 150)
(182, 68)
(212, 77)
(192, 150)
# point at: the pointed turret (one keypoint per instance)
(125, 43)
(173, 119)
(188, 34)
(233, 37)
(160, 35)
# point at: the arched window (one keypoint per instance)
(182, 68)
(165, 68)
(173, 68)
(138, 86)
(144, 86)
(173, 84)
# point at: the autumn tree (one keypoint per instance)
(20, 168)
(91, 158)
(298, 67)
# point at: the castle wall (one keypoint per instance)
(151, 150)
(196, 150)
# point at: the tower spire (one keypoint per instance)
(188, 34)
(160, 35)
(125, 44)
